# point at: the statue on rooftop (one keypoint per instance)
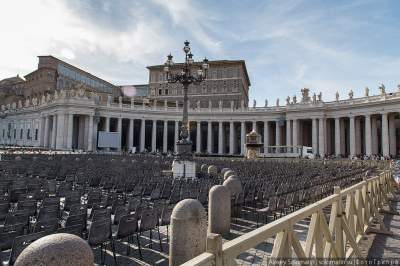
(288, 100)
(398, 87)
(294, 99)
(254, 103)
(277, 102)
(320, 97)
(351, 94)
(366, 91)
(382, 88)
(314, 98)
(266, 102)
(337, 96)
(305, 95)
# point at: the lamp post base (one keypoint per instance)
(183, 169)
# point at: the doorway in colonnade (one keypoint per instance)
(79, 132)
(148, 134)
(171, 136)
(125, 134)
(214, 129)
(304, 134)
(203, 139)
(159, 135)
(193, 134)
(137, 123)
(397, 134)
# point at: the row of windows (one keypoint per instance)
(213, 73)
(66, 73)
(195, 90)
(21, 134)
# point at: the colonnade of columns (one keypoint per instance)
(351, 135)
(354, 135)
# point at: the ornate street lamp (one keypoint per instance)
(190, 72)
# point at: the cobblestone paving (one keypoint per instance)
(383, 245)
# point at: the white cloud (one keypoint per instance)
(50, 27)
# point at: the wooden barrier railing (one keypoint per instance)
(352, 212)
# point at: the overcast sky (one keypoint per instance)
(327, 46)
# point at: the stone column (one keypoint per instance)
(154, 136)
(220, 139)
(46, 132)
(337, 136)
(209, 137)
(392, 135)
(385, 135)
(374, 135)
(254, 126)
(198, 137)
(314, 136)
(130, 133)
(321, 138)
(165, 136)
(176, 137)
(277, 134)
(368, 150)
(231, 139)
(95, 131)
(352, 137)
(242, 138)
(60, 132)
(295, 132)
(288, 133)
(266, 136)
(90, 134)
(142, 134)
(54, 132)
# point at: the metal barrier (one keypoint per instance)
(352, 212)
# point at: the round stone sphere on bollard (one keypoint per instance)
(212, 170)
(228, 174)
(203, 168)
(234, 185)
(57, 250)
(219, 210)
(188, 231)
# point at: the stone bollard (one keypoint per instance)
(57, 249)
(203, 168)
(212, 170)
(18, 158)
(234, 185)
(219, 210)
(228, 174)
(224, 170)
(188, 231)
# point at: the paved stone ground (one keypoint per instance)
(378, 246)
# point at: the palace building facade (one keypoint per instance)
(69, 114)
